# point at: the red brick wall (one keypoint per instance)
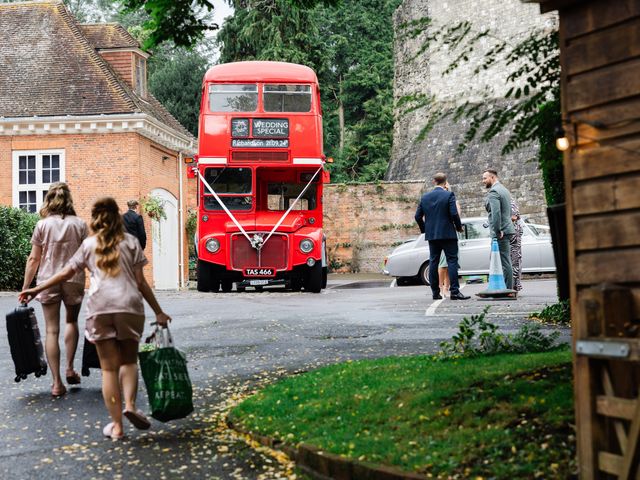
(122, 63)
(363, 222)
(123, 165)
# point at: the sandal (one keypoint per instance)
(74, 378)
(107, 431)
(58, 391)
(138, 419)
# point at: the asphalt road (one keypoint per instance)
(234, 342)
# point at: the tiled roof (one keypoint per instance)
(108, 35)
(48, 67)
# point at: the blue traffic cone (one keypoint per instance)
(496, 288)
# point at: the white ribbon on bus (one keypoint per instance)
(257, 242)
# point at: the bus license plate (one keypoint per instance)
(260, 272)
(254, 283)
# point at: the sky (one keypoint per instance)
(221, 10)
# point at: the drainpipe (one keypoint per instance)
(181, 222)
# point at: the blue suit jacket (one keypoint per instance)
(437, 215)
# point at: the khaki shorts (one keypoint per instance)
(119, 326)
(67, 293)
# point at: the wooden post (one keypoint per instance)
(606, 395)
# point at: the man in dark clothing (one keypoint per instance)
(438, 219)
(134, 224)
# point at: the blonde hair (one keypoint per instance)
(57, 201)
(106, 223)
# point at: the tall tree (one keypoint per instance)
(184, 22)
(350, 46)
(175, 79)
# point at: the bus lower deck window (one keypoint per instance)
(232, 203)
(228, 180)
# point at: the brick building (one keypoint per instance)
(74, 107)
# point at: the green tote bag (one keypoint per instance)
(164, 370)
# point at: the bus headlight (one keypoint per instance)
(212, 245)
(306, 245)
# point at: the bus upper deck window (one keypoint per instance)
(233, 98)
(287, 98)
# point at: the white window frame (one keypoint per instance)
(39, 186)
(140, 67)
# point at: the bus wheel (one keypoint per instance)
(296, 284)
(227, 285)
(205, 283)
(325, 274)
(313, 278)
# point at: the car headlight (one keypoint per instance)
(306, 245)
(212, 245)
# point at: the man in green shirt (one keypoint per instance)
(498, 205)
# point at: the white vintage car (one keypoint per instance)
(410, 260)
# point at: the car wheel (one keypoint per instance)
(424, 274)
(403, 281)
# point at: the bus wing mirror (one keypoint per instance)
(326, 176)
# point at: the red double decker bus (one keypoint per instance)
(260, 167)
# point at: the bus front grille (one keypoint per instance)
(274, 253)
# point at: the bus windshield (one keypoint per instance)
(233, 185)
(233, 98)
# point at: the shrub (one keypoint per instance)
(16, 228)
(476, 336)
(557, 314)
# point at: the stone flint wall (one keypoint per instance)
(423, 74)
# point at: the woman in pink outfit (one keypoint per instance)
(115, 312)
(55, 239)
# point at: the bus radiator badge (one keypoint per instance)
(256, 241)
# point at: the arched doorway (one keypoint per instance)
(165, 243)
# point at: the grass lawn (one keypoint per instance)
(504, 416)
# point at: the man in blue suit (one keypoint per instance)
(438, 219)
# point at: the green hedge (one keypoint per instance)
(16, 227)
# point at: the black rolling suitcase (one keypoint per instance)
(89, 357)
(25, 343)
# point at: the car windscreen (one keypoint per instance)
(282, 195)
(233, 185)
(233, 97)
(287, 98)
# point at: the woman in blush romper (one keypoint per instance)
(115, 311)
(55, 239)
